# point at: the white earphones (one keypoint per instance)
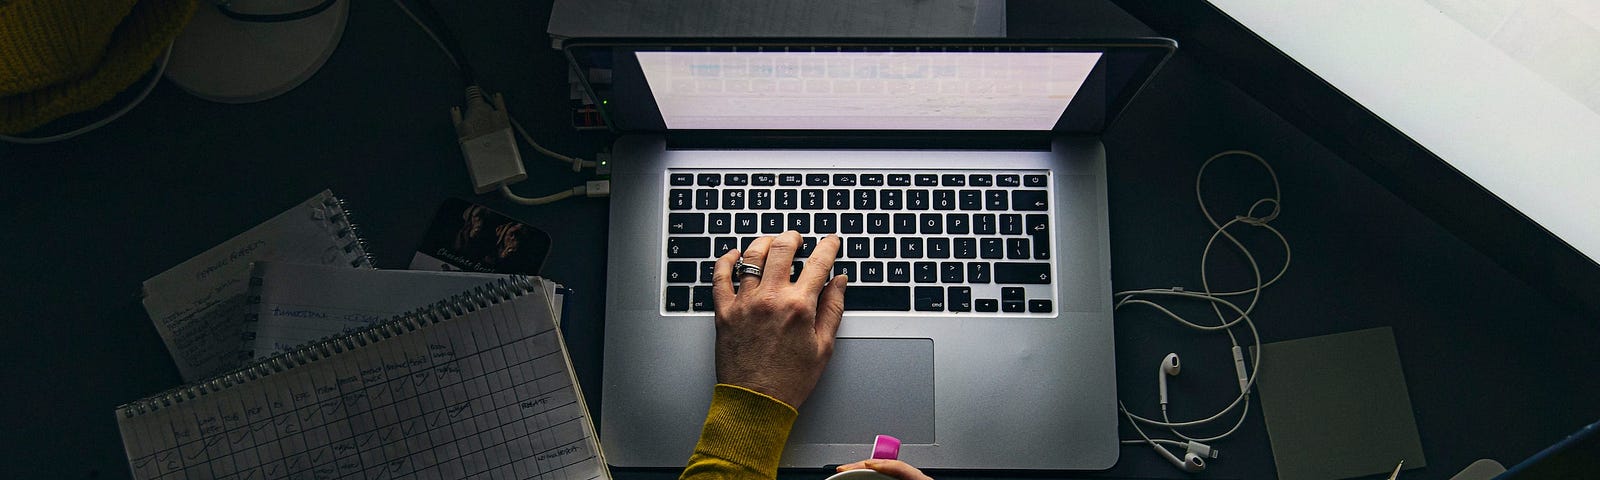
(1169, 367)
(1191, 462)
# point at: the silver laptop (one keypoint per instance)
(967, 180)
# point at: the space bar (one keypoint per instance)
(877, 298)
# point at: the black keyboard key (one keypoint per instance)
(1034, 181)
(916, 199)
(677, 299)
(986, 305)
(983, 224)
(911, 247)
(816, 179)
(905, 223)
(931, 224)
(929, 299)
(789, 179)
(891, 199)
(953, 180)
(1039, 229)
(1029, 200)
(960, 299)
(722, 244)
(708, 270)
(838, 199)
(966, 248)
(746, 223)
(737, 179)
(955, 223)
(899, 272)
(744, 242)
(795, 269)
(682, 179)
(800, 222)
(1012, 294)
(980, 180)
(680, 199)
(760, 199)
(852, 223)
(1015, 272)
(1039, 306)
(858, 247)
(971, 200)
(1010, 224)
(925, 272)
(844, 179)
(883, 247)
(763, 179)
(733, 199)
(772, 223)
(978, 272)
(996, 200)
(877, 223)
(825, 223)
(719, 223)
(866, 199)
(951, 272)
(899, 179)
(848, 269)
(811, 199)
(681, 272)
(702, 299)
(872, 179)
(991, 248)
(1008, 180)
(705, 199)
(878, 298)
(688, 247)
(927, 180)
(944, 199)
(807, 245)
(1017, 248)
(939, 247)
(686, 223)
(1013, 306)
(872, 271)
(787, 199)
(710, 179)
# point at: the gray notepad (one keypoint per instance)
(1336, 406)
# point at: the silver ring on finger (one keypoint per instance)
(741, 268)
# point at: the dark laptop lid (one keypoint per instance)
(869, 88)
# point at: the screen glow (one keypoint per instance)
(865, 90)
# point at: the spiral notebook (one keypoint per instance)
(199, 306)
(478, 386)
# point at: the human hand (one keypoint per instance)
(775, 336)
(894, 468)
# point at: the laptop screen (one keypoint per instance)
(864, 90)
(928, 88)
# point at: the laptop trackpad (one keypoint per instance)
(872, 386)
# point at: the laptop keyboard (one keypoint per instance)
(945, 242)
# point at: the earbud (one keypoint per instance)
(1191, 463)
(1169, 367)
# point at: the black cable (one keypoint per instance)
(272, 17)
(448, 38)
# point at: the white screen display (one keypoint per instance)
(864, 90)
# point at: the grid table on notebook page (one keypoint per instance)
(940, 242)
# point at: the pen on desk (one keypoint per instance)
(1396, 473)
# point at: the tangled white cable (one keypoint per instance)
(1217, 301)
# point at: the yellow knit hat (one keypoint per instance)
(59, 57)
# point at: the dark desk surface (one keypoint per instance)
(1495, 370)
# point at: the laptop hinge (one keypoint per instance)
(860, 140)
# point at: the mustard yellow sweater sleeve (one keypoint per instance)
(743, 436)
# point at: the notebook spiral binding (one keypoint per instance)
(348, 228)
(338, 217)
(458, 305)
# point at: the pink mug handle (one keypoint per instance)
(885, 447)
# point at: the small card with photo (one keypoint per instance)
(469, 237)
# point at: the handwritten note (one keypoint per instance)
(301, 303)
(199, 306)
(487, 393)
